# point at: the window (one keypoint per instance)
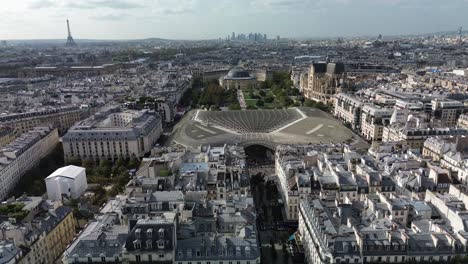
(161, 244)
(138, 258)
(161, 256)
(161, 233)
(136, 244)
(150, 258)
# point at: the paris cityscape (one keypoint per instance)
(233, 132)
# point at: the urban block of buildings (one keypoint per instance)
(113, 133)
(23, 154)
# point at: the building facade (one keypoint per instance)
(447, 112)
(325, 79)
(373, 121)
(66, 182)
(23, 154)
(113, 133)
(348, 109)
(239, 79)
(7, 135)
(62, 118)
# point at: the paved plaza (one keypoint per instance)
(264, 127)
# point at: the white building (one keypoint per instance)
(69, 181)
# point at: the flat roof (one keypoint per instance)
(69, 171)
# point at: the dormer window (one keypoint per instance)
(161, 233)
(138, 233)
(238, 251)
(161, 244)
(137, 244)
(149, 233)
(149, 244)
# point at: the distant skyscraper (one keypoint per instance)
(233, 36)
(70, 41)
(460, 33)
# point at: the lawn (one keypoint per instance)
(251, 102)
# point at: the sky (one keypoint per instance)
(211, 19)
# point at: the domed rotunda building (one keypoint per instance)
(238, 78)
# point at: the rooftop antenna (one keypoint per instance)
(70, 41)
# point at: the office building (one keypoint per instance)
(113, 133)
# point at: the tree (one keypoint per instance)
(262, 93)
(260, 103)
(134, 163)
(88, 164)
(186, 98)
(269, 99)
(104, 168)
(295, 92)
(74, 161)
(212, 95)
(285, 101)
(235, 106)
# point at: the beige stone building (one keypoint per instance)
(446, 111)
(24, 153)
(7, 135)
(348, 109)
(373, 121)
(324, 81)
(113, 133)
(463, 121)
(239, 79)
(415, 137)
(62, 118)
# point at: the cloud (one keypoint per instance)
(109, 17)
(176, 11)
(96, 4)
(38, 4)
(284, 3)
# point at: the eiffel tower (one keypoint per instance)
(70, 41)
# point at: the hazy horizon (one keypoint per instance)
(212, 19)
